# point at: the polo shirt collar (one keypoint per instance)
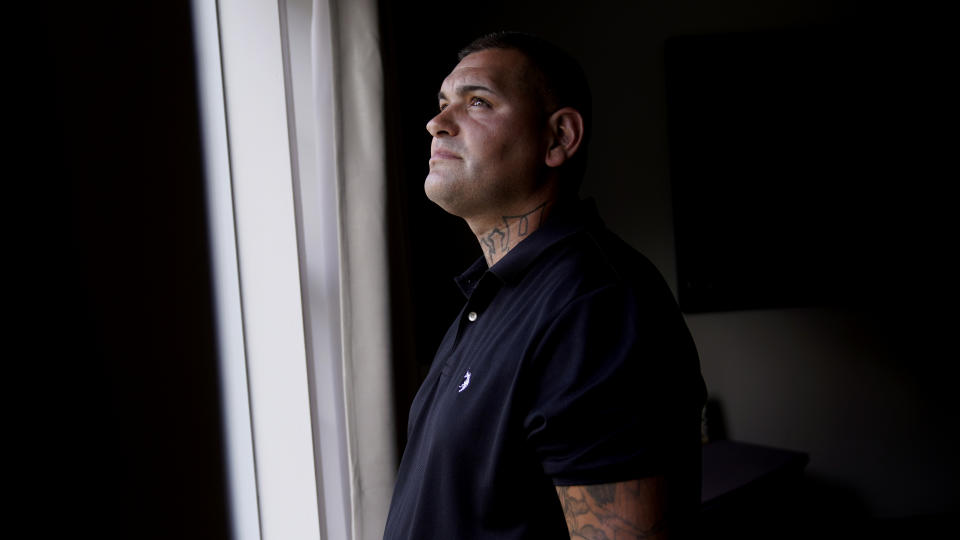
(563, 222)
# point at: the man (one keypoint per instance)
(565, 399)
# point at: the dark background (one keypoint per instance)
(124, 419)
(767, 130)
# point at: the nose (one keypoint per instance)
(442, 124)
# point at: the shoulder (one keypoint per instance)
(605, 300)
(593, 260)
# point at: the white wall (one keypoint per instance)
(837, 385)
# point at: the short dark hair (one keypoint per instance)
(562, 84)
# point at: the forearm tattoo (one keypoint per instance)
(515, 228)
(619, 511)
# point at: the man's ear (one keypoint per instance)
(566, 134)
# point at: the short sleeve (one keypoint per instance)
(616, 384)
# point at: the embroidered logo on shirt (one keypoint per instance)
(466, 382)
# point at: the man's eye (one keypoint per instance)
(478, 102)
(443, 106)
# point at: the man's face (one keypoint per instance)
(489, 139)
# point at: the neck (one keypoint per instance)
(502, 233)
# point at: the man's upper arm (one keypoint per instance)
(620, 510)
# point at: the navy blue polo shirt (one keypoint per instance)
(569, 364)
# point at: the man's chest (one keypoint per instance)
(474, 393)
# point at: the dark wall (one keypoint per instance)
(131, 416)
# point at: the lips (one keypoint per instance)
(444, 154)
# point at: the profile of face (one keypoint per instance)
(489, 138)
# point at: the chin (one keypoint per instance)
(436, 187)
(432, 186)
(440, 191)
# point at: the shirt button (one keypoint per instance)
(472, 316)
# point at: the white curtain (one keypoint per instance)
(348, 93)
(288, 365)
(293, 134)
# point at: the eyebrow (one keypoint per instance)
(466, 89)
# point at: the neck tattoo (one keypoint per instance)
(515, 228)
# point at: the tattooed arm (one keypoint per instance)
(618, 511)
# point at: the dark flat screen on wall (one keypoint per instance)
(771, 208)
